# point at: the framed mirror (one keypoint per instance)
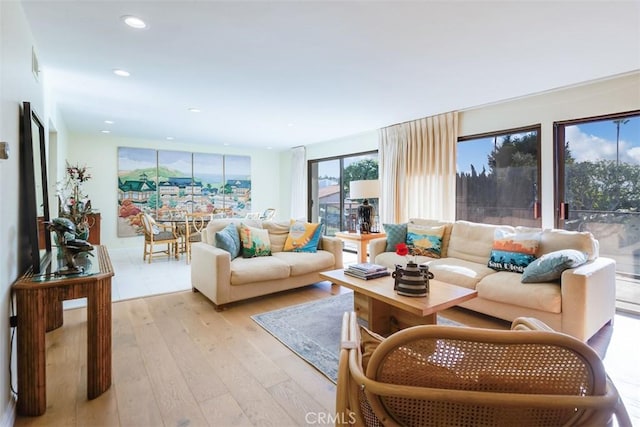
(34, 195)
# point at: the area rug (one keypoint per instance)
(312, 330)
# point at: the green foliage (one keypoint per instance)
(360, 170)
(603, 186)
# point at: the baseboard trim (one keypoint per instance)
(9, 415)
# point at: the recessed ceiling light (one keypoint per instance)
(134, 22)
(226, 144)
(170, 138)
(109, 122)
(105, 131)
(195, 110)
(290, 125)
(269, 148)
(121, 73)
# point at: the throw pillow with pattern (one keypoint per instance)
(424, 240)
(255, 241)
(513, 251)
(396, 233)
(303, 237)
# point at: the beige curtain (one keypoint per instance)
(418, 169)
(298, 187)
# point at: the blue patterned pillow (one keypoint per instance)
(425, 240)
(396, 233)
(513, 251)
(228, 239)
(549, 267)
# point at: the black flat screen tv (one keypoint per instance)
(35, 239)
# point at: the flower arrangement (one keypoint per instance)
(73, 203)
(403, 250)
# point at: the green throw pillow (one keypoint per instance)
(396, 233)
(549, 267)
(255, 241)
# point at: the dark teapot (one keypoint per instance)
(412, 281)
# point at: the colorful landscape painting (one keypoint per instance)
(156, 181)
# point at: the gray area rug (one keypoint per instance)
(312, 330)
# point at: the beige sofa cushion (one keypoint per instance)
(306, 262)
(459, 272)
(278, 232)
(505, 287)
(251, 270)
(472, 241)
(555, 240)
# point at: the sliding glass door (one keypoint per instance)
(329, 179)
(598, 190)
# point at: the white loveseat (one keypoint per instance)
(224, 280)
(578, 304)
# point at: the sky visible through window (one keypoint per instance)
(587, 142)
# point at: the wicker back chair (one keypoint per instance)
(158, 234)
(447, 375)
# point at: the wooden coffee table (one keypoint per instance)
(386, 312)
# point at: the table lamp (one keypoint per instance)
(364, 189)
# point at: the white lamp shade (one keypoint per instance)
(364, 189)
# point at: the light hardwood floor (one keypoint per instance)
(178, 362)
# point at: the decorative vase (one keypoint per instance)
(412, 281)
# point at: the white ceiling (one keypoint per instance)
(281, 74)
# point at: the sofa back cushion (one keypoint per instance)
(555, 239)
(435, 223)
(472, 241)
(278, 232)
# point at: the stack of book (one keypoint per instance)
(366, 271)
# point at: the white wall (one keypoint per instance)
(613, 95)
(100, 154)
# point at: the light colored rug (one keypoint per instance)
(312, 330)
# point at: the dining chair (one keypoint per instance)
(194, 224)
(268, 214)
(158, 234)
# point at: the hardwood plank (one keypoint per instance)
(176, 402)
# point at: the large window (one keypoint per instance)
(598, 190)
(329, 189)
(497, 177)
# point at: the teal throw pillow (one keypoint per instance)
(549, 267)
(396, 233)
(228, 239)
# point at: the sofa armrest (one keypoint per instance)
(588, 297)
(211, 271)
(376, 247)
(333, 245)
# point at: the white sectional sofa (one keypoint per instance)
(579, 303)
(224, 280)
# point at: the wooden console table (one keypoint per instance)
(39, 310)
(362, 240)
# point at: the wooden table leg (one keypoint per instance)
(362, 251)
(99, 338)
(32, 377)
